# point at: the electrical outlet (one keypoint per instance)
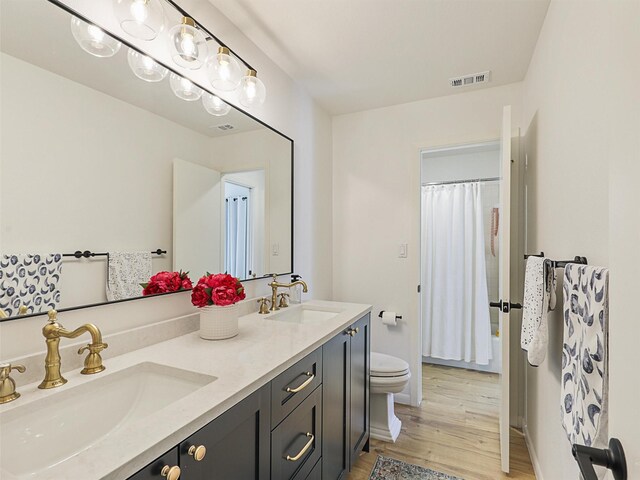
(275, 249)
(402, 252)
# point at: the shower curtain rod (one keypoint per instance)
(451, 182)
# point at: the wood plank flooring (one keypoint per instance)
(455, 430)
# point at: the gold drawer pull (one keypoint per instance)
(172, 473)
(198, 452)
(304, 449)
(304, 384)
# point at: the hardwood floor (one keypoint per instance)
(455, 430)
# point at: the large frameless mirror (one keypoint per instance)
(113, 168)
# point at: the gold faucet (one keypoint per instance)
(7, 385)
(274, 290)
(53, 331)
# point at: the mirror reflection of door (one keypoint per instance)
(244, 214)
(237, 257)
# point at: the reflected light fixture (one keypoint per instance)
(143, 19)
(145, 67)
(184, 88)
(93, 39)
(215, 105)
(223, 70)
(187, 44)
(252, 90)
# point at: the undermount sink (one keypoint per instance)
(305, 314)
(46, 432)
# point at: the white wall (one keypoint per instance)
(376, 185)
(290, 110)
(582, 114)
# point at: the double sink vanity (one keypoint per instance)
(288, 398)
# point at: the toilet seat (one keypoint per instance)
(383, 366)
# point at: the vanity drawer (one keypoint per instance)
(292, 386)
(296, 442)
(153, 471)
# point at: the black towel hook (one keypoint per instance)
(612, 458)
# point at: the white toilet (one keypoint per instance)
(389, 375)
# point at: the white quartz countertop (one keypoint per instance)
(262, 350)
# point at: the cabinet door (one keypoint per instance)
(237, 443)
(152, 471)
(336, 391)
(359, 421)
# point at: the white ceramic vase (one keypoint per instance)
(218, 323)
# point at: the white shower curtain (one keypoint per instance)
(455, 303)
(237, 239)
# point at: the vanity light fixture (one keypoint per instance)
(252, 90)
(93, 39)
(184, 88)
(143, 19)
(145, 67)
(215, 105)
(223, 70)
(187, 44)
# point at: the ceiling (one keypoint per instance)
(52, 47)
(355, 55)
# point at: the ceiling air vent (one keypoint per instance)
(226, 126)
(471, 79)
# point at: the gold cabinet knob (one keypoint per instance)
(172, 473)
(198, 452)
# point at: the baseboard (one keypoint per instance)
(537, 470)
(403, 398)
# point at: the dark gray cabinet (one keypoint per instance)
(308, 423)
(153, 471)
(345, 387)
(237, 443)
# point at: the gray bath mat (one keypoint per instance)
(391, 469)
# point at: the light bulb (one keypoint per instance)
(143, 19)
(184, 88)
(215, 105)
(92, 39)
(139, 10)
(145, 67)
(223, 70)
(187, 44)
(252, 90)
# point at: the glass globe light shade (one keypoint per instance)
(215, 105)
(252, 90)
(93, 39)
(143, 19)
(145, 67)
(187, 45)
(184, 88)
(223, 70)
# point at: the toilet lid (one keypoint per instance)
(387, 366)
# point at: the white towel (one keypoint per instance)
(127, 270)
(29, 280)
(585, 372)
(539, 298)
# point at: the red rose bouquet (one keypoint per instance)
(164, 282)
(220, 289)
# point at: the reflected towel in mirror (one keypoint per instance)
(127, 270)
(29, 280)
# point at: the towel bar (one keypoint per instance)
(613, 458)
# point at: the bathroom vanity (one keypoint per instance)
(288, 398)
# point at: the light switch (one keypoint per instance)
(275, 249)
(402, 253)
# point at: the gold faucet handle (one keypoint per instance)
(7, 368)
(53, 316)
(93, 348)
(264, 308)
(283, 300)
